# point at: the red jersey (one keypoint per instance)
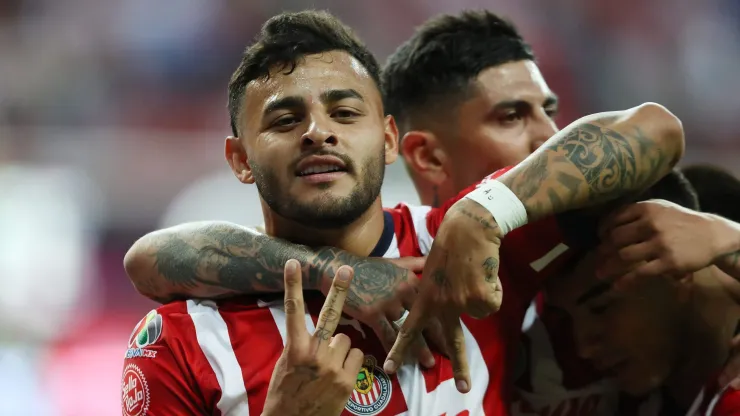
(217, 357)
(716, 400)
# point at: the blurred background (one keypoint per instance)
(113, 114)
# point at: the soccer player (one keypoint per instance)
(667, 322)
(313, 137)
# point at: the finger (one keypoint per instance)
(385, 331)
(339, 346)
(415, 322)
(353, 362)
(623, 260)
(625, 215)
(422, 350)
(435, 336)
(331, 312)
(294, 310)
(629, 234)
(456, 344)
(646, 269)
(415, 264)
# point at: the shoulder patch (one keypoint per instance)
(147, 331)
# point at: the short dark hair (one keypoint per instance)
(673, 187)
(284, 40)
(444, 56)
(718, 190)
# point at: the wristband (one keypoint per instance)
(506, 208)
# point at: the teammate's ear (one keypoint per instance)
(391, 140)
(425, 156)
(236, 156)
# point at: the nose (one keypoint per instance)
(543, 128)
(318, 134)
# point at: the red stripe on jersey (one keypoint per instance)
(406, 237)
(257, 344)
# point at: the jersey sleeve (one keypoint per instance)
(154, 382)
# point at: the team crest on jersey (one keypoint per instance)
(372, 391)
(147, 331)
(135, 399)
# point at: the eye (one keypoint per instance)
(344, 113)
(551, 112)
(510, 118)
(286, 121)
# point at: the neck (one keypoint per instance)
(713, 317)
(358, 238)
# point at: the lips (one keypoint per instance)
(313, 165)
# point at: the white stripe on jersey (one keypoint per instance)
(445, 399)
(278, 315)
(548, 258)
(213, 339)
(419, 220)
(392, 252)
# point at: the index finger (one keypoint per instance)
(294, 310)
(415, 322)
(333, 305)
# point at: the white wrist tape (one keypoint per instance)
(506, 208)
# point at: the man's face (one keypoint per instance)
(632, 334)
(316, 141)
(509, 116)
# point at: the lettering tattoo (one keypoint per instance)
(486, 220)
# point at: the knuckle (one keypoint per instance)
(330, 314)
(342, 338)
(291, 305)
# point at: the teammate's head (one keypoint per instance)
(718, 190)
(307, 116)
(468, 98)
(633, 334)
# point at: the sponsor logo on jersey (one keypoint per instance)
(140, 353)
(372, 391)
(147, 331)
(135, 399)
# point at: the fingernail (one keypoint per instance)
(389, 366)
(429, 362)
(291, 266)
(343, 274)
(462, 385)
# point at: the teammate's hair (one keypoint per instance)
(718, 190)
(674, 187)
(287, 38)
(442, 59)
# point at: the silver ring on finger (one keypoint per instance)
(398, 323)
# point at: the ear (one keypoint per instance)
(424, 155)
(236, 157)
(391, 140)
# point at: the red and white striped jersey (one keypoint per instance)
(217, 357)
(716, 400)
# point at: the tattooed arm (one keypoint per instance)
(220, 259)
(597, 159)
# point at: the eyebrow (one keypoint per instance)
(333, 96)
(284, 103)
(520, 104)
(595, 291)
